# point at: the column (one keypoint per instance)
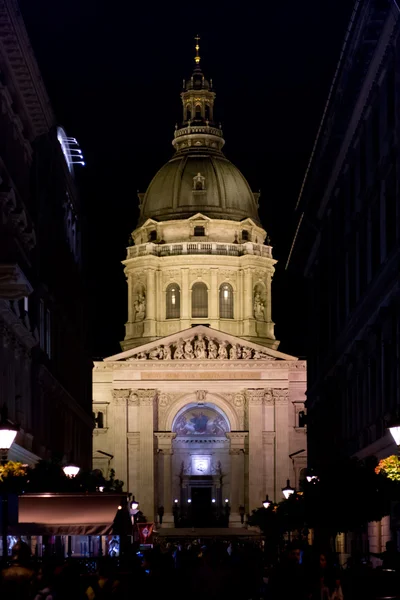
(214, 295)
(237, 453)
(119, 408)
(269, 465)
(146, 452)
(164, 440)
(283, 463)
(151, 294)
(255, 400)
(185, 296)
(248, 294)
(133, 462)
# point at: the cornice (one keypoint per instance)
(195, 365)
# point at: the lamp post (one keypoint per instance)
(266, 503)
(288, 490)
(8, 433)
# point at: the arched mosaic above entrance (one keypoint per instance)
(200, 421)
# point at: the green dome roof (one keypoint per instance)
(225, 193)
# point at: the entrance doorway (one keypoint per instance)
(202, 507)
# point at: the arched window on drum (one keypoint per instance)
(199, 300)
(226, 301)
(173, 300)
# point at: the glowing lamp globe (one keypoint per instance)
(288, 490)
(71, 470)
(8, 431)
(7, 437)
(395, 431)
(267, 502)
(134, 504)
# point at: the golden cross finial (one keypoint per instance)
(197, 57)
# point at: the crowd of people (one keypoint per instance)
(208, 570)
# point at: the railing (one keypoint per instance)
(215, 248)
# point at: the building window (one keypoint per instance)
(188, 113)
(207, 113)
(48, 333)
(226, 301)
(41, 324)
(173, 301)
(199, 300)
(199, 230)
(302, 419)
(99, 420)
(198, 112)
(152, 235)
(245, 235)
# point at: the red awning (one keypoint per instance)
(67, 514)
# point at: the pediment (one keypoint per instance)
(201, 343)
(199, 216)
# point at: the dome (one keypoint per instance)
(204, 182)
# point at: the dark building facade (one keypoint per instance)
(45, 366)
(347, 244)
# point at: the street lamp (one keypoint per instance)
(134, 503)
(394, 428)
(8, 433)
(266, 502)
(71, 470)
(288, 490)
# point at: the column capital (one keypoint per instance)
(164, 440)
(145, 397)
(281, 396)
(238, 440)
(120, 397)
(268, 438)
(133, 438)
(258, 396)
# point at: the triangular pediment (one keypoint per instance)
(199, 217)
(201, 343)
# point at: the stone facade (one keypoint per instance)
(140, 398)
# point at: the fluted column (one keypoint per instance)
(237, 483)
(164, 440)
(146, 452)
(281, 397)
(119, 408)
(255, 400)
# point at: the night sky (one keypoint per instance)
(114, 71)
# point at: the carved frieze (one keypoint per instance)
(172, 274)
(202, 347)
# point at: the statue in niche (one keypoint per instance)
(212, 348)
(235, 352)
(189, 354)
(246, 352)
(167, 352)
(156, 354)
(200, 347)
(258, 307)
(179, 352)
(139, 307)
(222, 350)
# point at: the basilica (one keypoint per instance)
(200, 411)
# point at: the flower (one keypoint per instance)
(390, 467)
(12, 469)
